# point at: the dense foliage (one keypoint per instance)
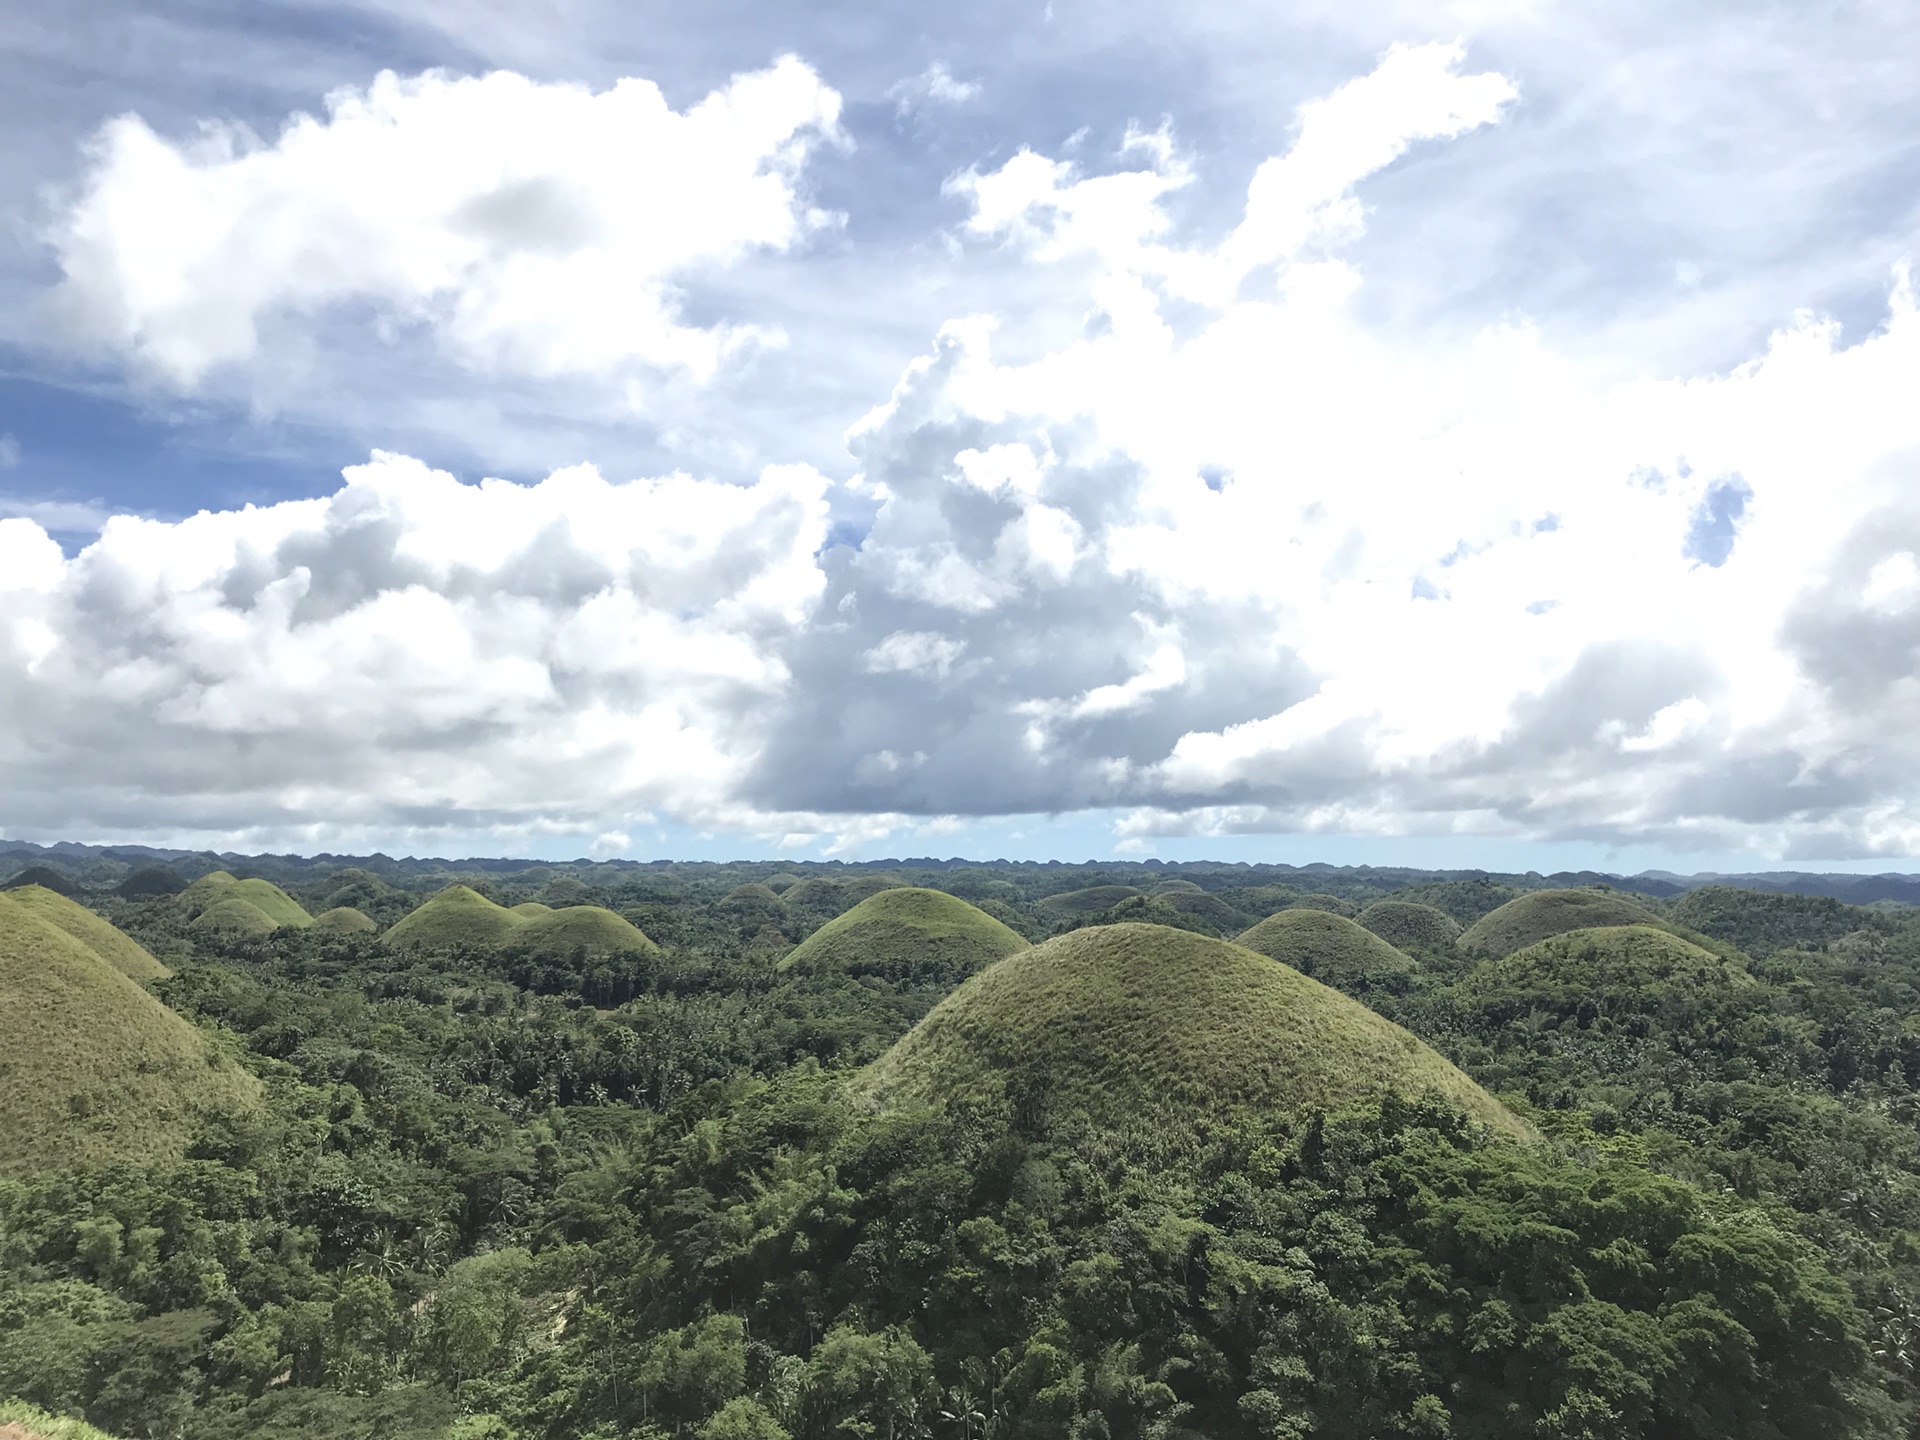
(499, 1194)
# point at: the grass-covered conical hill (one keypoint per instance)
(1090, 901)
(906, 931)
(1408, 925)
(457, 916)
(92, 1067)
(1329, 947)
(1202, 906)
(1609, 971)
(528, 909)
(1540, 914)
(119, 950)
(344, 920)
(1159, 1044)
(591, 928)
(233, 919)
(1175, 887)
(265, 896)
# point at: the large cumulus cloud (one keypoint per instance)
(409, 653)
(532, 230)
(1230, 559)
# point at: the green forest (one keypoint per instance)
(356, 1149)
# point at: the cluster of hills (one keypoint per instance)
(1126, 1027)
(1168, 1153)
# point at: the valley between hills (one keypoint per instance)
(345, 1148)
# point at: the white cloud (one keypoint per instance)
(934, 85)
(533, 229)
(9, 452)
(913, 652)
(409, 651)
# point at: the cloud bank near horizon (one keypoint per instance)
(1229, 558)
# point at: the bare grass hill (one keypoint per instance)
(266, 897)
(1540, 914)
(91, 1065)
(1331, 948)
(118, 949)
(1154, 1045)
(906, 931)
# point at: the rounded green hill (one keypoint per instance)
(1090, 901)
(1159, 1045)
(750, 894)
(44, 876)
(1314, 900)
(91, 1065)
(592, 928)
(233, 919)
(266, 897)
(901, 931)
(457, 916)
(1329, 947)
(1202, 906)
(781, 882)
(817, 893)
(1175, 887)
(1611, 969)
(344, 920)
(1406, 925)
(1540, 914)
(528, 909)
(119, 950)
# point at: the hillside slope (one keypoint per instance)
(91, 1065)
(118, 949)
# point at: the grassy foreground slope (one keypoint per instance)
(119, 950)
(1539, 914)
(901, 930)
(91, 1065)
(1161, 1042)
(21, 1421)
(1329, 947)
(456, 916)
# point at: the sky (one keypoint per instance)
(1455, 435)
